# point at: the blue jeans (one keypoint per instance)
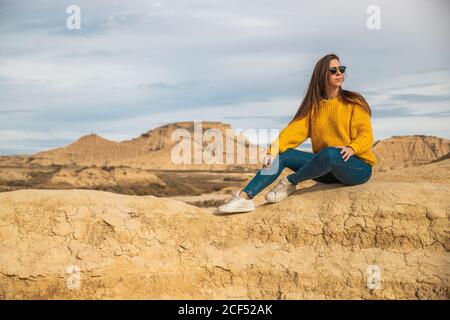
(325, 166)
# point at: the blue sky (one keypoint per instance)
(135, 65)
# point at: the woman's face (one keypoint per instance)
(335, 80)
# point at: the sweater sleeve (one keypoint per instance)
(291, 136)
(361, 131)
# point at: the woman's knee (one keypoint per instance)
(287, 153)
(283, 156)
(330, 154)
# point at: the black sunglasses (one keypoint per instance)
(341, 69)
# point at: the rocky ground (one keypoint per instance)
(321, 242)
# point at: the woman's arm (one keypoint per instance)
(361, 129)
(291, 136)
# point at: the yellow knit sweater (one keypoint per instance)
(337, 124)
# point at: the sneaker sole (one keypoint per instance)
(275, 201)
(237, 211)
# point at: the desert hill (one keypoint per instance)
(151, 150)
(160, 138)
(406, 151)
(88, 150)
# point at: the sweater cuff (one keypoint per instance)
(354, 147)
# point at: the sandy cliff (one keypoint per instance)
(407, 151)
(318, 243)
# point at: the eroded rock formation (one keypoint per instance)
(318, 243)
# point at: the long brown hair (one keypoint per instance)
(316, 90)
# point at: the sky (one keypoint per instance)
(135, 65)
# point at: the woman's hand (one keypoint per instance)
(267, 161)
(346, 151)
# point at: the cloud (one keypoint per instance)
(14, 111)
(168, 86)
(404, 112)
(408, 98)
(28, 142)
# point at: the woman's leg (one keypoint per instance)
(292, 158)
(329, 160)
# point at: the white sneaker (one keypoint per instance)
(282, 190)
(237, 204)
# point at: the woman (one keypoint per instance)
(338, 123)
